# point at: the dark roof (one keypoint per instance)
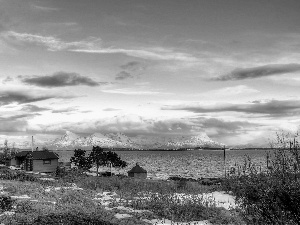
(137, 169)
(22, 154)
(38, 154)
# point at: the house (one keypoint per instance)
(137, 172)
(37, 161)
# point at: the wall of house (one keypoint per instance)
(11, 162)
(39, 166)
(138, 175)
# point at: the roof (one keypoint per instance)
(38, 154)
(137, 169)
(22, 154)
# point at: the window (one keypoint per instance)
(46, 161)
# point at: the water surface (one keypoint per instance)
(189, 164)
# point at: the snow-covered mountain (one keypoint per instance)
(119, 140)
(175, 142)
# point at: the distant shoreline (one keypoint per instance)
(168, 150)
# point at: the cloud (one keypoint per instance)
(93, 45)
(274, 108)
(260, 71)
(228, 91)
(131, 69)
(33, 108)
(123, 75)
(7, 79)
(128, 124)
(16, 123)
(145, 53)
(131, 91)
(52, 43)
(134, 66)
(44, 8)
(9, 97)
(68, 110)
(111, 109)
(13, 126)
(222, 127)
(59, 79)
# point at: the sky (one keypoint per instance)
(173, 67)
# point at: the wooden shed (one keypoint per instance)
(137, 172)
(37, 161)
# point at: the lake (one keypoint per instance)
(190, 164)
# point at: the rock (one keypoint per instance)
(122, 216)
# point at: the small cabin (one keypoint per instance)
(37, 161)
(137, 172)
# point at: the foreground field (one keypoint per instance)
(79, 199)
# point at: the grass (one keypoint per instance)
(59, 203)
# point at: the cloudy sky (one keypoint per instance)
(228, 68)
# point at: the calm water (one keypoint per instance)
(194, 164)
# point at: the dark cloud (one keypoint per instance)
(133, 66)
(224, 131)
(66, 110)
(33, 108)
(260, 71)
(131, 69)
(274, 108)
(21, 116)
(171, 127)
(123, 75)
(70, 110)
(111, 109)
(18, 97)
(15, 123)
(223, 127)
(8, 97)
(59, 79)
(13, 126)
(7, 79)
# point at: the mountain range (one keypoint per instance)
(71, 141)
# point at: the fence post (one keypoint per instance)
(225, 161)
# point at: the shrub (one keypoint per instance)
(24, 207)
(272, 197)
(7, 174)
(184, 209)
(6, 203)
(70, 219)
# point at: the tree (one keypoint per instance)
(97, 157)
(113, 160)
(100, 158)
(79, 160)
(8, 153)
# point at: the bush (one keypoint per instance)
(265, 199)
(184, 209)
(6, 203)
(70, 219)
(7, 174)
(271, 197)
(25, 207)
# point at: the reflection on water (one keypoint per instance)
(194, 164)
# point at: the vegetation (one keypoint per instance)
(8, 153)
(80, 160)
(76, 206)
(6, 203)
(98, 157)
(272, 197)
(264, 197)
